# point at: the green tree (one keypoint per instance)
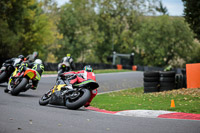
(76, 24)
(192, 15)
(163, 40)
(25, 28)
(117, 23)
(162, 9)
(11, 20)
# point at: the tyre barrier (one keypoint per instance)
(151, 81)
(167, 81)
(179, 80)
(155, 81)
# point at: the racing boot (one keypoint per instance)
(33, 87)
(6, 90)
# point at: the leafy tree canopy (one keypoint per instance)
(192, 15)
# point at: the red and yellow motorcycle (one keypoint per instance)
(21, 80)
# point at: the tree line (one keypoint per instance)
(90, 30)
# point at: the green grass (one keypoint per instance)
(95, 71)
(50, 72)
(110, 71)
(186, 100)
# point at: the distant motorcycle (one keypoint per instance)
(21, 80)
(8, 68)
(71, 98)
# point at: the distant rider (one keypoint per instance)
(66, 65)
(32, 57)
(10, 61)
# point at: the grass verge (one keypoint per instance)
(186, 100)
(95, 71)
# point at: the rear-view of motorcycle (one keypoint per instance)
(8, 68)
(71, 98)
(22, 80)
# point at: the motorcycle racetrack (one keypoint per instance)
(23, 114)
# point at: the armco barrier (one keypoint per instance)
(79, 66)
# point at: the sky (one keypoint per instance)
(175, 7)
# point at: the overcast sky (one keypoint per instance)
(175, 7)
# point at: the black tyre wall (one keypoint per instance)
(167, 74)
(151, 81)
(167, 80)
(151, 74)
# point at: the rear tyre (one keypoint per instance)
(82, 100)
(3, 77)
(16, 90)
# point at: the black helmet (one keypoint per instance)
(21, 57)
(88, 68)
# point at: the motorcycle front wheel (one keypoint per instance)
(80, 101)
(18, 88)
(44, 100)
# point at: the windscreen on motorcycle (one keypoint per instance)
(17, 61)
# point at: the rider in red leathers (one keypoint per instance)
(83, 75)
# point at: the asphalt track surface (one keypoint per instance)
(23, 114)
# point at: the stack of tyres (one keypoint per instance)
(167, 80)
(151, 81)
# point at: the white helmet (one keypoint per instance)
(38, 61)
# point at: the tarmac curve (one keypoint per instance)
(146, 113)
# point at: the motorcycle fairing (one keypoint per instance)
(58, 87)
(88, 83)
(30, 73)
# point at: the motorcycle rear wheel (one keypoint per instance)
(16, 90)
(82, 100)
(3, 77)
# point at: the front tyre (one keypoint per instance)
(44, 100)
(80, 101)
(16, 90)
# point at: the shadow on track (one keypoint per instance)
(3, 85)
(63, 107)
(28, 95)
